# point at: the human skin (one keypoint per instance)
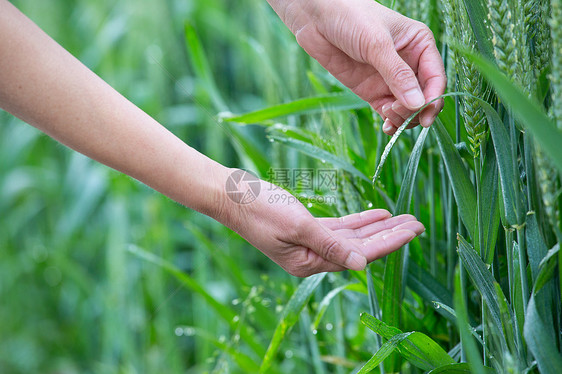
(47, 87)
(387, 59)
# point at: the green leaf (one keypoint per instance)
(478, 15)
(420, 350)
(290, 317)
(201, 66)
(401, 129)
(393, 270)
(527, 110)
(385, 350)
(484, 282)
(509, 177)
(540, 341)
(465, 329)
(489, 204)
(408, 182)
(308, 105)
(463, 189)
(547, 268)
(319, 154)
(462, 368)
(425, 285)
(536, 248)
(327, 300)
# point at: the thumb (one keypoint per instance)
(399, 76)
(331, 247)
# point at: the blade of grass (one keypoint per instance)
(470, 347)
(319, 154)
(290, 317)
(489, 204)
(484, 282)
(420, 350)
(393, 270)
(540, 341)
(308, 105)
(385, 350)
(478, 15)
(463, 189)
(462, 368)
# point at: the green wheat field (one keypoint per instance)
(100, 274)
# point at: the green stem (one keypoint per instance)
(432, 228)
(523, 267)
(480, 241)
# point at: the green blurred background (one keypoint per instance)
(75, 294)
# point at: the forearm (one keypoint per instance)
(48, 88)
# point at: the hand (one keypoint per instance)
(387, 59)
(282, 228)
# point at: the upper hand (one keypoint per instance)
(387, 59)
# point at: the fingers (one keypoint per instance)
(384, 244)
(431, 73)
(356, 220)
(368, 231)
(399, 76)
(333, 248)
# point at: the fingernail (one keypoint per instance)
(386, 108)
(386, 127)
(414, 98)
(426, 121)
(355, 261)
(396, 106)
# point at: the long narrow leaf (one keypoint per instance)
(541, 342)
(384, 351)
(319, 154)
(484, 282)
(418, 348)
(463, 189)
(467, 340)
(393, 270)
(345, 101)
(290, 317)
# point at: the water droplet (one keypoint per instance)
(329, 326)
(236, 319)
(222, 339)
(235, 301)
(314, 332)
(189, 331)
(271, 140)
(309, 205)
(289, 354)
(178, 331)
(370, 205)
(323, 161)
